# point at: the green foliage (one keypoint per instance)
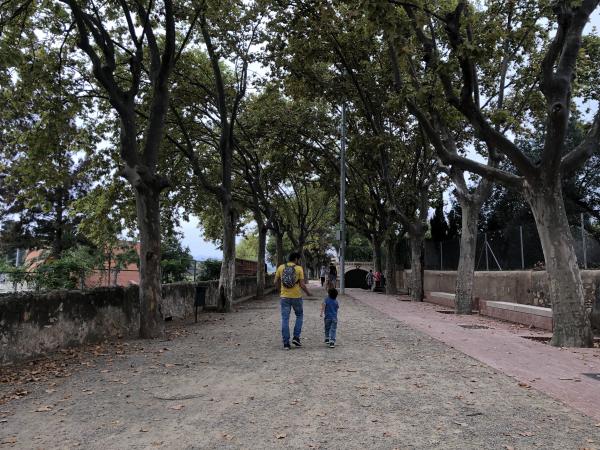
(175, 261)
(210, 269)
(247, 248)
(67, 272)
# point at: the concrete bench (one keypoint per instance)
(441, 298)
(536, 316)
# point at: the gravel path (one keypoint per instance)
(226, 383)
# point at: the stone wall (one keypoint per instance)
(33, 324)
(527, 287)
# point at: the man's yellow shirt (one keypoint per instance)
(293, 292)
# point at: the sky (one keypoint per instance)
(202, 249)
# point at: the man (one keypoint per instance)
(370, 279)
(289, 278)
(323, 274)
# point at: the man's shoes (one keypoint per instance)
(327, 341)
(296, 342)
(331, 344)
(287, 347)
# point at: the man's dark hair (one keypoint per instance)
(332, 293)
(294, 256)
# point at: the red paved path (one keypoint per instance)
(555, 371)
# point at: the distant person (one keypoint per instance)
(330, 307)
(323, 275)
(332, 276)
(289, 277)
(376, 280)
(369, 279)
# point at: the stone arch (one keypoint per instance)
(356, 278)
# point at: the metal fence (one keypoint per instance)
(512, 248)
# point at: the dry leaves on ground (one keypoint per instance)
(281, 436)
(44, 408)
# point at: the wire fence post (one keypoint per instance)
(441, 255)
(522, 254)
(487, 261)
(195, 264)
(583, 243)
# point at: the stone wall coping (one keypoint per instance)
(528, 309)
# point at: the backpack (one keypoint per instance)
(288, 276)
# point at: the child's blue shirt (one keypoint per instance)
(331, 308)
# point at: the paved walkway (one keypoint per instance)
(225, 383)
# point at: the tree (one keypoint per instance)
(541, 180)
(175, 260)
(343, 62)
(247, 248)
(46, 156)
(210, 121)
(123, 48)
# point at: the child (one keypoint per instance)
(330, 307)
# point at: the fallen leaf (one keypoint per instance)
(44, 408)
(386, 434)
(281, 436)
(9, 440)
(526, 433)
(229, 437)
(144, 430)
(177, 407)
(524, 385)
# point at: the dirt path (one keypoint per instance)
(226, 383)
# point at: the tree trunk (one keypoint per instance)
(571, 320)
(466, 263)
(279, 248)
(390, 267)
(377, 258)
(227, 278)
(148, 219)
(260, 273)
(57, 241)
(416, 266)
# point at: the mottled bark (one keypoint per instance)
(571, 320)
(260, 273)
(377, 255)
(279, 256)
(227, 278)
(416, 265)
(466, 263)
(390, 267)
(148, 219)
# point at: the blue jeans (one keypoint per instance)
(330, 329)
(286, 305)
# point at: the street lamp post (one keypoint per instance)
(343, 200)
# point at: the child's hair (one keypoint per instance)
(332, 293)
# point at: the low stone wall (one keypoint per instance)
(33, 324)
(527, 287)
